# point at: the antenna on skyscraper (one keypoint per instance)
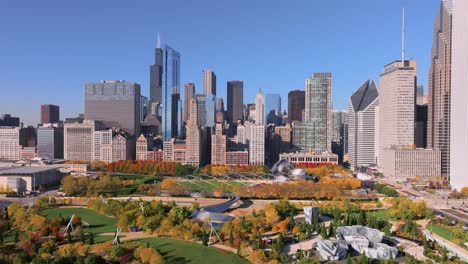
(403, 36)
(158, 42)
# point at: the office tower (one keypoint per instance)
(144, 105)
(459, 106)
(260, 109)
(78, 139)
(406, 163)
(189, 92)
(201, 109)
(193, 146)
(296, 105)
(362, 126)
(209, 82)
(120, 146)
(8, 120)
(257, 145)
(50, 142)
(235, 100)
(165, 91)
(284, 133)
(272, 109)
(218, 146)
(439, 94)
(318, 104)
(249, 112)
(219, 102)
(103, 145)
(9, 143)
(28, 136)
(339, 133)
(115, 103)
(210, 109)
(142, 148)
(420, 95)
(420, 137)
(397, 105)
(50, 114)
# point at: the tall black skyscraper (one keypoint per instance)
(235, 100)
(165, 104)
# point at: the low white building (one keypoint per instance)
(21, 179)
(310, 157)
(404, 163)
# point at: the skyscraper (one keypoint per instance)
(459, 106)
(260, 109)
(50, 142)
(439, 96)
(78, 141)
(257, 145)
(189, 92)
(397, 105)
(9, 143)
(235, 100)
(115, 103)
(165, 91)
(50, 114)
(144, 106)
(361, 126)
(272, 109)
(296, 105)
(209, 82)
(318, 90)
(193, 146)
(218, 146)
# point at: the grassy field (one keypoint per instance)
(198, 186)
(380, 214)
(178, 252)
(97, 223)
(441, 231)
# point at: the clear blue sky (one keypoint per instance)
(49, 48)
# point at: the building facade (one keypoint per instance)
(78, 139)
(50, 114)
(439, 95)
(209, 82)
(260, 109)
(362, 126)
(235, 100)
(257, 145)
(218, 146)
(310, 157)
(397, 105)
(9, 143)
(459, 92)
(189, 89)
(240, 157)
(296, 105)
(50, 142)
(272, 109)
(318, 91)
(406, 163)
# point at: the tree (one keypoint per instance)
(239, 248)
(231, 236)
(16, 237)
(204, 238)
(363, 259)
(330, 229)
(387, 229)
(69, 239)
(348, 259)
(323, 232)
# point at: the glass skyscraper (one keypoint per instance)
(273, 109)
(165, 91)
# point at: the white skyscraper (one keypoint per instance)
(397, 105)
(78, 141)
(257, 145)
(209, 82)
(260, 109)
(9, 143)
(459, 105)
(361, 125)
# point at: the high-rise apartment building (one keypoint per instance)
(9, 143)
(257, 145)
(218, 146)
(209, 82)
(397, 105)
(189, 92)
(439, 95)
(78, 139)
(362, 126)
(459, 92)
(235, 100)
(50, 141)
(260, 109)
(28, 137)
(296, 105)
(193, 139)
(165, 91)
(115, 103)
(318, 106)
(50, 114)
(272, 109)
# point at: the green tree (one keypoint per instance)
(330, 229)
(239, 248)
(348, 259)
(323, 232)
(363, 259)
(231, 236)
(204, 238)
(16, 237)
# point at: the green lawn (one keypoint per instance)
(180, 252)
(98, 223)
(199, 186)
(440, 230)
(380, 214)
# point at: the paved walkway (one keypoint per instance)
(291, 249)
(454, 248)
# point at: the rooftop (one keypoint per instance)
(27, 170)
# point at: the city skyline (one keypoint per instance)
(63, 82)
